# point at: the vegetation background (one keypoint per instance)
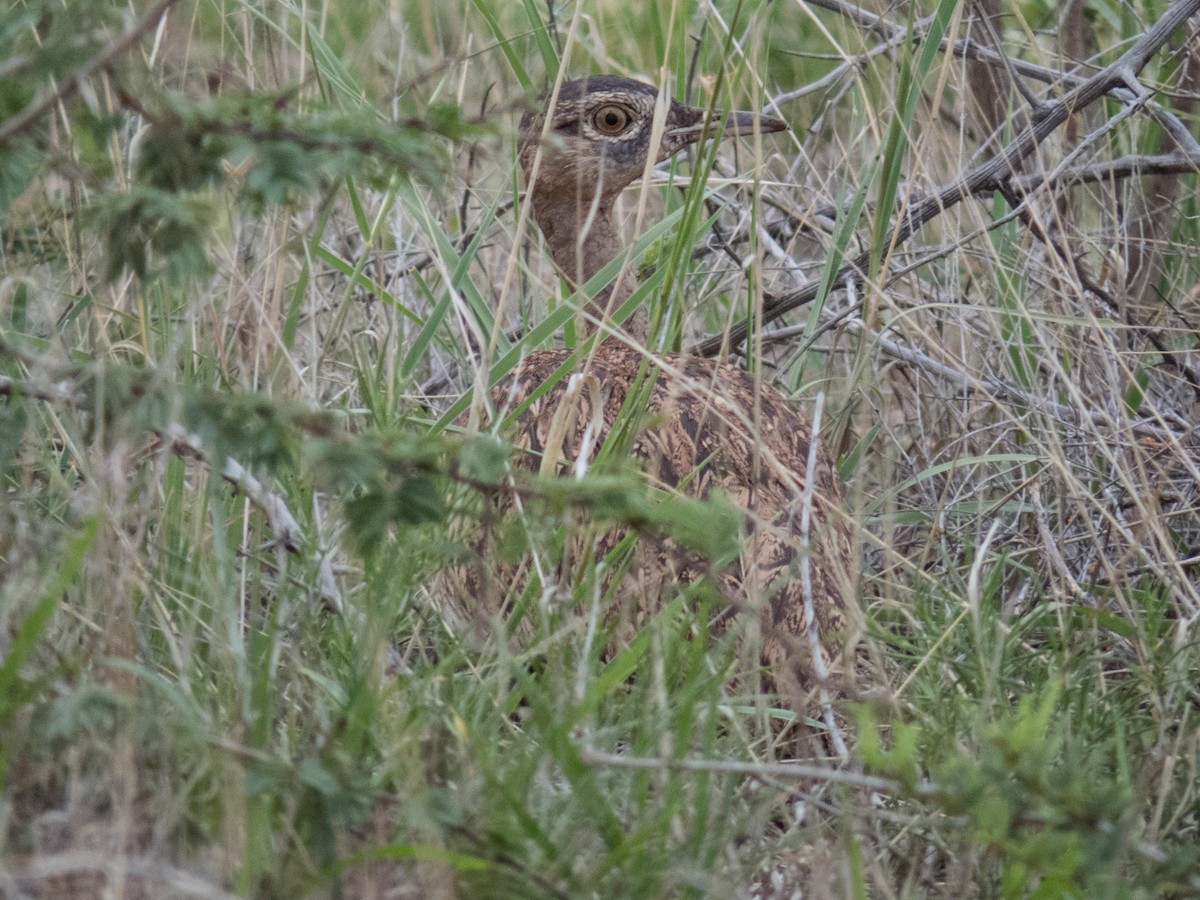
(253, 252)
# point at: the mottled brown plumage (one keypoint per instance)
(708, 425)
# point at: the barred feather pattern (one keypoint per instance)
(709, 426)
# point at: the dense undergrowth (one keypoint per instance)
(254, 254)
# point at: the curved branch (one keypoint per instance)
(1134, 165)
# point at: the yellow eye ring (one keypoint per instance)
(611, 119)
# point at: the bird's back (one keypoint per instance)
(708, 427)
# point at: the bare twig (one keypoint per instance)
(600, 759)
(17, 124)
(815, 645)
(1155, 211)
(149, 872)
(1130, 166)
(996, 389)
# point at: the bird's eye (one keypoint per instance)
(611, 119)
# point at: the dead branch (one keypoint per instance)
(1119, 78)
(1130, 166)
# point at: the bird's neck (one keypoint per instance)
(583, 240)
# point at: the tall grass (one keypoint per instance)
(202, 696)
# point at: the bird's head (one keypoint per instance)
(601, 131)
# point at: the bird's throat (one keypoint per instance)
(583, 240)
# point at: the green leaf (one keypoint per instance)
(281, 170)
(710, 527)
(485, 459)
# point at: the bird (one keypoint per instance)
(709, 425)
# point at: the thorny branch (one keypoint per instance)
(286, 532)
(60, 384)
(19, 123)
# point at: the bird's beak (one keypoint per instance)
(736, 124)
(739, 123)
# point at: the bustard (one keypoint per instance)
(709, 425)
